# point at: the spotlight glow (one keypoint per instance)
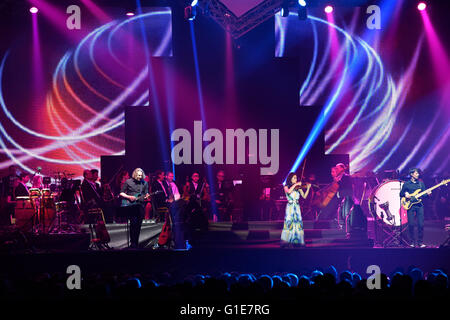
(34, 10)
(328, 9)
(421, 6)
(302, 3)
(130, 14)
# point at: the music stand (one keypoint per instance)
(128, 212)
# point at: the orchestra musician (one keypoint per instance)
(135, 190)
(177, 212)
(91, 196)
(197, 195)
(94, 180)
(161, 200)
(344, 192)
(222, 197)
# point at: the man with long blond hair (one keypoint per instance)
(135, 191)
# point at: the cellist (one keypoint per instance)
(344, 191)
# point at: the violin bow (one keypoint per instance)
(303, 169)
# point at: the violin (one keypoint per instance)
(303, 186)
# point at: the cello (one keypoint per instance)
(325, 195)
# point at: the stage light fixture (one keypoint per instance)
(302, 13)
(284, 12)
(422, 6)
(190, 12)
(130, 14)
(328, 9)
(302, 3)
(34, 10)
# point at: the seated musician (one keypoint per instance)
(161, 199)
(91, 196)
(94, 180)
(223, 197)
(198, 197)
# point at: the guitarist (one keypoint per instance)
(133, 187)
(416, 210)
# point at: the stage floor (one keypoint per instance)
(227, 247)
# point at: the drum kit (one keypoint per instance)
(46, 209)
(385, 206)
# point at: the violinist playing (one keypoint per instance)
(293, 233)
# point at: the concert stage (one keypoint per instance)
(241, 247)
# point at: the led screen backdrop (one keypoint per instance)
(63, 91)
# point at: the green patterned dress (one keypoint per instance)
(293, 225)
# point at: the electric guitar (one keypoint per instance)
(415, 196)
(140, 198)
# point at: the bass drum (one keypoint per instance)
(384, 203)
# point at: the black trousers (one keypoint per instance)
(416, 214)
(195, 218)
(344, 210)
(135, 224)
(177, 211)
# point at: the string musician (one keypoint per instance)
(222, 197)
(337, 194)
(198, 199)
(134, 191)
(293, 233)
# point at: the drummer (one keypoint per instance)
(21, 190)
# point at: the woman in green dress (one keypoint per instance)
(293, 225)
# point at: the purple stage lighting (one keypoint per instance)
(421, 6)
(328, 9)
(34, 10)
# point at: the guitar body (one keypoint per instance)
(126, 202)
(408, 203)
(165, 234)
(415, 196)
(140, 198)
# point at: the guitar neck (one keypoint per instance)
(431, 189)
